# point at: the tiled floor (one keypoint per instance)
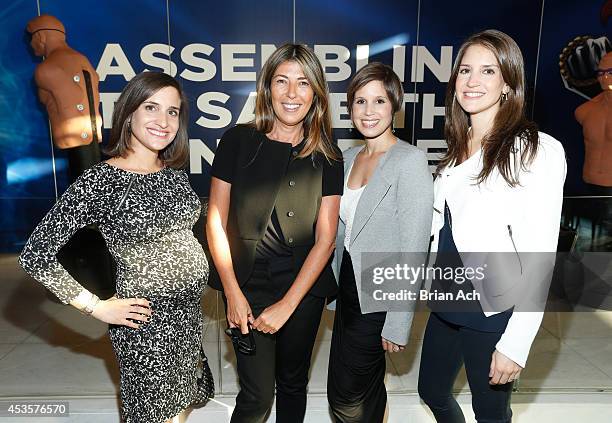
(49, 350)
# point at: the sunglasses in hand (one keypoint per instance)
(244, 343)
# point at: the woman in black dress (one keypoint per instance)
(272, 218)
(142, 202)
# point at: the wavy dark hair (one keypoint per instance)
(137, 91)
(317, 123)
(499, 149)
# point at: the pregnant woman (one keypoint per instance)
(142, 202)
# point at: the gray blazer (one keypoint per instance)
(393, 215)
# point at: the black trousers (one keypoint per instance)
(446, 347)
(356, 376)
(281, 359)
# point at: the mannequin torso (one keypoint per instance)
(62, 89)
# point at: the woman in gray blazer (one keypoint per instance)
(386, 207)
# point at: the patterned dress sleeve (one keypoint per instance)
(79, 206)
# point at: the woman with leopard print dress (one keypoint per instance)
(145, 208)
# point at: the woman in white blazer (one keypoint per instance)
(499, 188)
(386, 207)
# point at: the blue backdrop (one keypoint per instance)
(217, 48)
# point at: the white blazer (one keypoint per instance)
(494, 217)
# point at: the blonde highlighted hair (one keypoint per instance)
(317, 123)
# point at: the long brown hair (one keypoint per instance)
(137, 91)
(498, 145)
(317, 123)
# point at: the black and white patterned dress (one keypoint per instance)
(147, 221)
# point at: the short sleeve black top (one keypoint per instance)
(223, 166)
(273, 243)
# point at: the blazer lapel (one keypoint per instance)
(377, 188)
(349, 158)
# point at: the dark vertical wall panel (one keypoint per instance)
(348, 24)
(26, 180)
(448, 23)
(218, 51)
(564, 20)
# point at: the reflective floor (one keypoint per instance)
(48, 350)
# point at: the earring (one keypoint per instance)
(504, 96)
(129, 125)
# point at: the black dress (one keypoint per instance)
(147, 223)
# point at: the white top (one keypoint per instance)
(348, 205)
(492, 216)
